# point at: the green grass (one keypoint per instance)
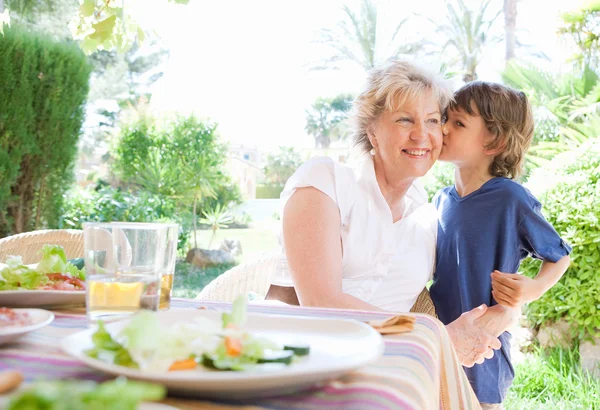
(553, 379)
(189, 280)
(254, 241)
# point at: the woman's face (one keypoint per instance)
(408, 141)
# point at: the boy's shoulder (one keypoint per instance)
(515, 192)
(439, 195)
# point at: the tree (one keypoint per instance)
(356, 39)
(180, 160)
(98, 24)
(467, 34)
(325, 120)
(510, 28)
(566, 107)
(42, 97)
(281, 165)
(583, 28)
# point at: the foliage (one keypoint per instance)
(565, 107)
(569, 190)
(439, 176)
(107, 204)
(326, 119)
(466, 35)
(582, 26)
(97, 24)
(216, 218)
(553, 379)
(281, 165)
(104, 25)
(180, 159)
(356, 39)
(268, 191)
(42, 97)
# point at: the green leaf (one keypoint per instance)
(180, 1)
(103, 30)
(87, 8)
(237, 316)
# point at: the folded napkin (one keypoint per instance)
(392, 325)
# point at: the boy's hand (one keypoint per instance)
(513, 290)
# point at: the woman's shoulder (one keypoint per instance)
(322, 173)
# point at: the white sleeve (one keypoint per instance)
(324, 174)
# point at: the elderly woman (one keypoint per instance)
(363, 237)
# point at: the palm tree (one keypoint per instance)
(566, 107)
(467, 34)
(510, 28)
(357, 39)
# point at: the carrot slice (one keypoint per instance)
(233, 346)
(186, 364)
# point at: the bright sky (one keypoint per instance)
(245, 63)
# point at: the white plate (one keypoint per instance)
(39, 319)
(42, 298)
(336, 347)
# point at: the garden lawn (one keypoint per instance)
(261, 238)
(256, 241)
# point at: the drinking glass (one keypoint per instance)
(124, 264)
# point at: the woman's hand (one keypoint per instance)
(472, 344)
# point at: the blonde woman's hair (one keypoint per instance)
(388, 88)
(508, 117)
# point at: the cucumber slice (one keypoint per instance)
(299, 350)
(283, 356)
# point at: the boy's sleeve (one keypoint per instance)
(538, 238)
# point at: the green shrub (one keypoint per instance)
(43, 89)
(108, 204)
(569, 190)
(441, 175)
(268, 191)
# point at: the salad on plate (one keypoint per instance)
(53, 272)
(149, 345)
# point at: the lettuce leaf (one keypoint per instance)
(16, 275)
(237, 317)
(118, 394)
(54, 260)
(109, 350)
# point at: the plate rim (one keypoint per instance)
(30, 328)
(232, 376)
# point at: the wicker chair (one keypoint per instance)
(249, 277)
(255, 277)
(28, 245)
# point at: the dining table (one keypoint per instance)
(419, 369)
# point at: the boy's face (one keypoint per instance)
(465, 138)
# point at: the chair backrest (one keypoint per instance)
(28, 245)
(254, 277)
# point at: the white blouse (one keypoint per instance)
(385, 264)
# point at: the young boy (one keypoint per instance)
(488, 222)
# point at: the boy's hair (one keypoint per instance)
(507, 116)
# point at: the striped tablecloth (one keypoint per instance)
(419, 369)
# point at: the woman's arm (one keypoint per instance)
(313, 249)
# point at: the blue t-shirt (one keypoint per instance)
(492, 228)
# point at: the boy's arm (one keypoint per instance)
(513, 290)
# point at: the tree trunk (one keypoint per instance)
(470, 76)
(194, 221)
(38, 210)
(510, 28)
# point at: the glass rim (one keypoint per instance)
(130, 225)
